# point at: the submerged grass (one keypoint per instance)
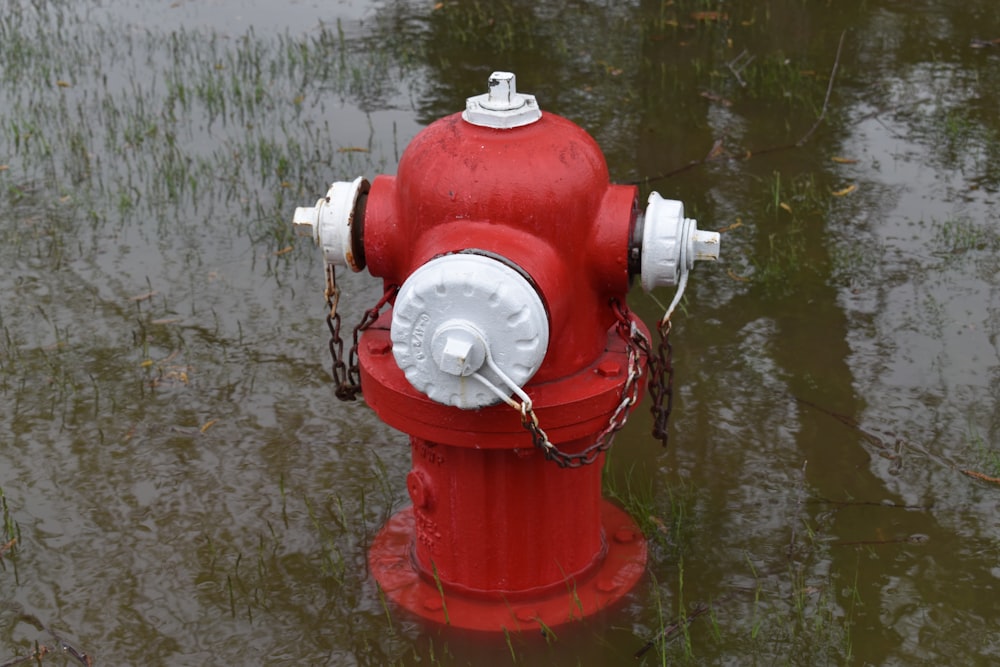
(781, 257)
(181, 120)
(787, 614)
(10, 535)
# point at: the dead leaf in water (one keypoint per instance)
(709, 16)
(660, 525)
(7, 547)
(846, 191)
(740, 279)
(729, 228)
(145, 296)
(785, 206)
(843, 160)
(712, 97)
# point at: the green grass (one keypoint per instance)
(963, 235)
(788, 615)
(987, 458)
(11, 530)
(781, 258)
(10, 537)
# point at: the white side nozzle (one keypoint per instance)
(331, 221)
(672, 243)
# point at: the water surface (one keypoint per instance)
(185, 490)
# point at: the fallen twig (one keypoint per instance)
(916, 538)
(40, 649)
(829, 89)
(738, 64)
(980, 476)
(35, 656)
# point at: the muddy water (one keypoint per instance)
(183, 489)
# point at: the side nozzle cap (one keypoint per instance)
(672, 243)
(332, 222)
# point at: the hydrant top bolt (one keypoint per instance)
(502, 95)
(502, 108)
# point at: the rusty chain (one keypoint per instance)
(347, 375)
(661, 382)
(661, 385)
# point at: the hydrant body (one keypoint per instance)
(512, 539)
(513, 255)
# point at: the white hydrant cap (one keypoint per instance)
(462, 315)
(672, 243)
(502, 107)
(331, 221)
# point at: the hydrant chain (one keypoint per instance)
(346, 390)
(638, 347)
(661, 384)
(346, 375)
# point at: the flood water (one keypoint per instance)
(180, 486)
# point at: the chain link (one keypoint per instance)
(347, 376)
(638, 348)
(661, 382)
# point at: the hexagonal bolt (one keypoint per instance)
(502, 108)
(458, 348)
(502, 93)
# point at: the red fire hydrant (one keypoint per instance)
(507, 355)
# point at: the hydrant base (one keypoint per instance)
(393, 566)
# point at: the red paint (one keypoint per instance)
(497, 536)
